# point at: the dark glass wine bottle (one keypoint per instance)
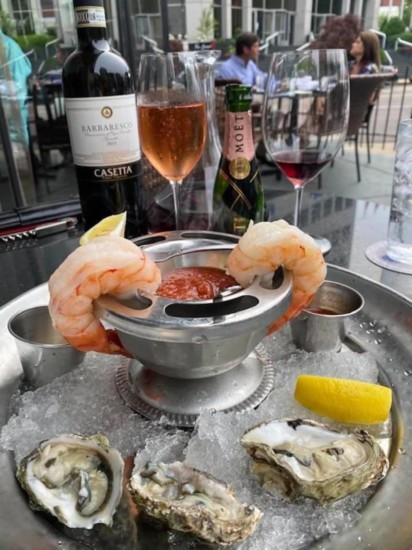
(101, 112)
(238, 193)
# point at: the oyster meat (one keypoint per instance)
(303, 457)
(77, 479)
(192, 501)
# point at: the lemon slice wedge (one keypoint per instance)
(344, 400)
(112, 225)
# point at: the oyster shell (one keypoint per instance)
(302, 457)
(192, 501)
(77, 479)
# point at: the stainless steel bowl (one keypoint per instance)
(195, 339)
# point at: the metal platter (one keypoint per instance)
(385, 332)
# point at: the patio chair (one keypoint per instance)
(52, 132)
(362, 91)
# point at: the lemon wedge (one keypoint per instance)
(344, 400)
(112, 225)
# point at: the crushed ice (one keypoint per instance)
(86, 401)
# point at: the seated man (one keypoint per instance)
(242, 66)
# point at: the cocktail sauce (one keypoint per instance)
(321, 311)
(194, 283)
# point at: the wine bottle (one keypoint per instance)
(101, 113)
(238, 193)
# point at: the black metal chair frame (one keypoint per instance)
(363, 88)
(50, 122)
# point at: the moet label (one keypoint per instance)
(239, 145)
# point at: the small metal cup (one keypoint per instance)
(43, 352)
(322, 326)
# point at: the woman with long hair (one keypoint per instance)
(366, 54)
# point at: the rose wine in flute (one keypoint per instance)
(101, 113)
(173, 136)
(238, 193)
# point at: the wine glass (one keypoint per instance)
(172, 117)
(305, 115)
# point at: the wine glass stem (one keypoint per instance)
(298, 202)
(176, 202)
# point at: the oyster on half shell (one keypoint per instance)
(77, 479)
(303, 457)
(192, 501)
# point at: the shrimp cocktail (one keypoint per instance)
(113, 265)
(172, 117)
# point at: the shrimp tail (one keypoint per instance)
(268, 245)
(108, 342)
(293, 311)
(105, 265)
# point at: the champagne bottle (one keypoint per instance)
(238, 193)
(101, 113)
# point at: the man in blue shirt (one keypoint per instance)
(242, 66)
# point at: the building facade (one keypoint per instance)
(282, 22)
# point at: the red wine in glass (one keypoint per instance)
(300, 167)
(305, 115)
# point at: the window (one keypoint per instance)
(176, 14)
(47, 8)
(236, 17)
(23, 15)
(148, 6)
(217, 15)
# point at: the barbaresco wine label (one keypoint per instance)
(89, 16)
(103, 130)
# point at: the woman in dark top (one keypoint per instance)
(365, 50)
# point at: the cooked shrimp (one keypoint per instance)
(268, 245)
(105, 265)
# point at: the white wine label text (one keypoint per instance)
(103, 130)
(238, 136)
(90, 16)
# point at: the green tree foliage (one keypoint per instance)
(6, 24)
(407, 13)
(207, 25)
(30, 41)
(392, 27)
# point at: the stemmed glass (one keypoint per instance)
(305, 115)
(172, 117)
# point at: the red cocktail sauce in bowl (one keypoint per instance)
(194, 283)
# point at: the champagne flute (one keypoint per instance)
(305, 115)
(172, 117)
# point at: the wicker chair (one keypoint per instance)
(363, 89)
